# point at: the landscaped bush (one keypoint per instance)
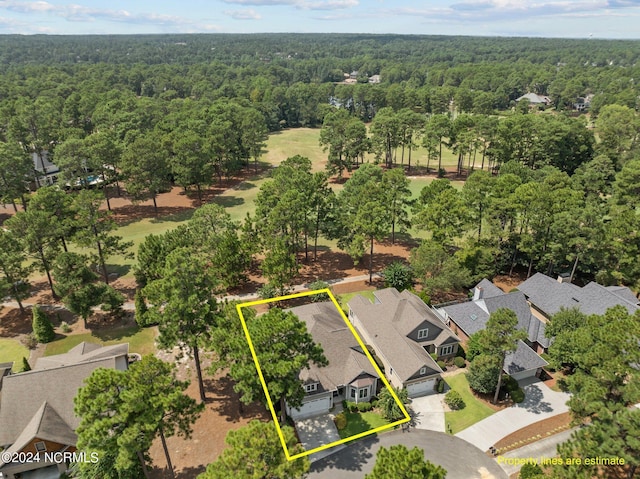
(459, 362)
(461, 353)
(351, 406)
(440, 386)
(25, 365)
(530, 471)
(442, 365)
(364, 406)
(341, 421)
(42, 327)
(454, 400)
(319, 284)
(29, 341)
(434, 356)
(64, 327)
(509, 384)
(517, 395)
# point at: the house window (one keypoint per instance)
(311, 387)
(423, 333)
(40, 446)
(444, 350)
(364, 392)
(390, 371)
(423, 370)
(353, 393)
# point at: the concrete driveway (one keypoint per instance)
(318, 431)
(540, 403)
(459, 458)
(427, 412)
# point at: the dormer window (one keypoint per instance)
(40, 446)
(423, 370)
(423, 333)
(311, 387)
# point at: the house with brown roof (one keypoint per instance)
(349, 375)
(37, 410)
(404, 332)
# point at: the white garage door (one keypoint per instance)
(523, 374)
(310, 408)
(422, 388)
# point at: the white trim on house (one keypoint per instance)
(423, 333)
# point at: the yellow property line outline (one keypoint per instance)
(405, 419)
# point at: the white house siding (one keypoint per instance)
(421, 388)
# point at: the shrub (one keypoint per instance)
(442, 365)
(530, 471)
(398, 275)
(42, 327)
(440, 386)
(364, 406)
(454, 400)
(64, 327)
(318, 284)
(459, 362)
(424, 296)
(268, 291)
(341, 421)
(518, 395)
(509, 384)
(442, 173)
(25, 365)
(29, 341)
(434, 356)
(351, 406)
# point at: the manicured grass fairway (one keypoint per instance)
(358, 422)
(474, 409)
(140, 341)
(12, 351)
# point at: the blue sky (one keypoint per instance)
(547, 18)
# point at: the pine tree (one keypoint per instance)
(42, 327)
(25, 365)
(398, 462)
(141, 309)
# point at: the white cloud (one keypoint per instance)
(301, 4)
(249, 14)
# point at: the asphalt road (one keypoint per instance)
(458, 457)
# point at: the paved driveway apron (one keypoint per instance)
(540, 403)
(318, 431)
(427, 412)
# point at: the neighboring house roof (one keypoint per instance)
(489, 289)
(46, 425)
(535, 98)
(347, 361)
(82, 353)
(522, 359)
(548, 295)
(392, 323)
(25, 393)
(472, 316)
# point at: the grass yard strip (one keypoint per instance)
(474, 409)
(344, 299)
(141, 341)
(358, 422)
(274, 415)
(11, 350)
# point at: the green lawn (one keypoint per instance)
(343, 299)
(474, 409)
(12, 350)
(358, 422)
(140, 340)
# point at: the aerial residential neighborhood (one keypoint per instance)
(318, 255)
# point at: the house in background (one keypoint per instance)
(404, 332)
(535, 99)
(46, 172)
(547, 295)
(469, 317)
(36, 407)
(349, 374)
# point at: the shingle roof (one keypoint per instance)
(522, 359)
(489, 289)
(346, 359)
(46, 425)
(82, 353)
(549, 295)
(534, 98)
(24, 394)
(390, 319)
(472, 316)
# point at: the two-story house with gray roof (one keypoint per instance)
(349, 375)
(37, 410)
(404, 332)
